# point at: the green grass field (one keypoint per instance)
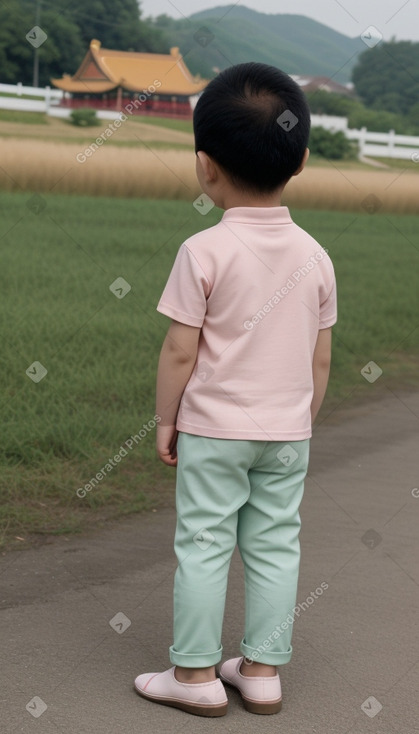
(28, 118)
(60, 255)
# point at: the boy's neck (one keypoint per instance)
(234, 198)
(225, 194)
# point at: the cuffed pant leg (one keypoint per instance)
(268, 539)
(212, 484)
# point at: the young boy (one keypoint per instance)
(242, 374)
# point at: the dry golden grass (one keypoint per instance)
(335, 187)
(32, 165)
(42, 166)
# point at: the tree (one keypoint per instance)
(386, 77)
(115, 23)
(377, 118)
(331, 145)
(70, 27)
(329, 103)
(15, 52)
(58, 54)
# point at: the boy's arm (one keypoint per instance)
(177, 360)
(321, 369)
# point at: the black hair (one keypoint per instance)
(254, 121)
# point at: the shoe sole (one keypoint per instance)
(256, 707)
(190, 708)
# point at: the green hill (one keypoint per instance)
(234, 34)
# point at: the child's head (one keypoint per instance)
(236, 124)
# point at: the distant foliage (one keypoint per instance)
(62, 50)
(115, 23)
(381, 121)
(84, 118)
(70, 27)
(333, 146)
(329, 103)
(359, 115)
(386, 77)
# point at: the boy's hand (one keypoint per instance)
(166, 444)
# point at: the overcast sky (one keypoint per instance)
(351, 17)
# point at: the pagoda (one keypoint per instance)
(159, 84)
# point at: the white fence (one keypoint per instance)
(376, 145)
(385, 145)
(47, 97)
(330, 122)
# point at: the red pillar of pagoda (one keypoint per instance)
(119, 98)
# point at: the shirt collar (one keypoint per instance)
(257, 215)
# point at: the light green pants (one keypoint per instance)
(247, 493)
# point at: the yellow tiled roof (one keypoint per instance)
(69, 84)
(104, 69)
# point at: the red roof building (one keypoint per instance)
(112, 79)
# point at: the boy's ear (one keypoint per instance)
(303, 162)
(208, 166)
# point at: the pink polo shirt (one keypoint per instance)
(260, 288)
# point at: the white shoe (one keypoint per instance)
(202, 699)
(261, 695)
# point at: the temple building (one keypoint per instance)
(161, 84)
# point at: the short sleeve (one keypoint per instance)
(328, 308)
(185, 295)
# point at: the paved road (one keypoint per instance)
(355, 667)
